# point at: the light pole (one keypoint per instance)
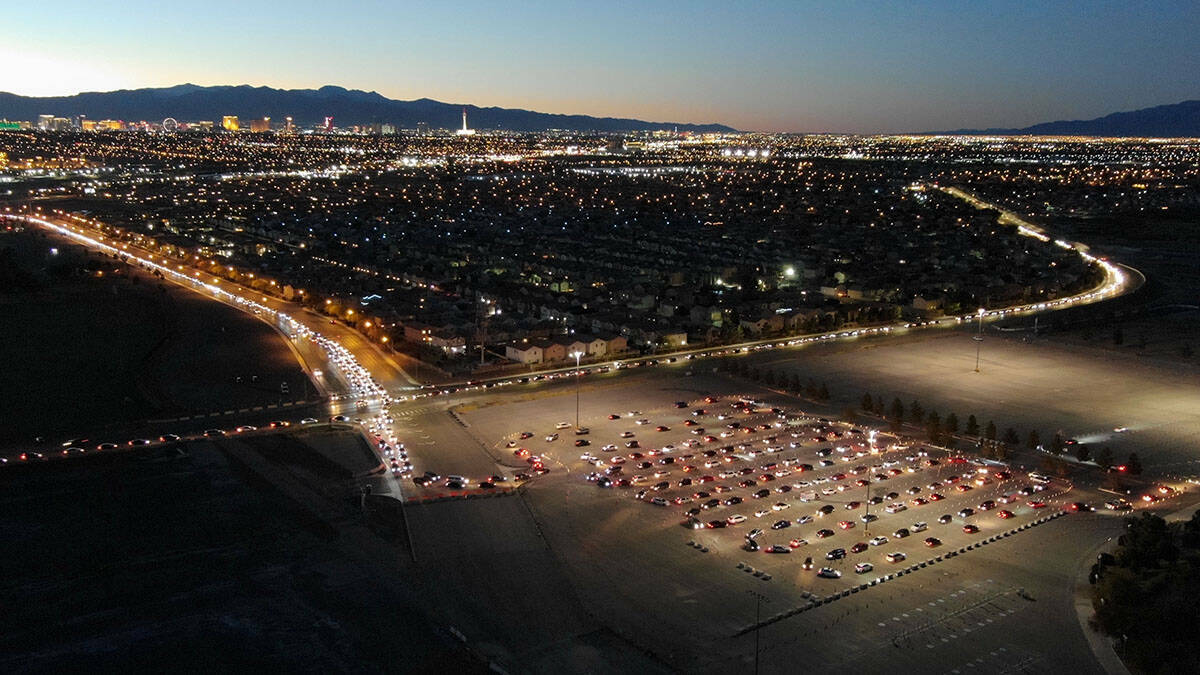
(979, 339)
(577, 355)
(758, 600)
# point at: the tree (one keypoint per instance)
(794, 383)
(1033, 440)
(811, 390)
(916, 412)
(1104, 458)
(990, 433)
(897, 411)
(1133, 465)
(933, 426)
(823, 392)
(1082, 453)
(769, 378)
(972, 426)
(1118, 336)
(951, 424)
(868, 403)
(1057, 443)
(1011, 437)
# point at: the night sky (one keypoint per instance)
(771, 66)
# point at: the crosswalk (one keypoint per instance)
(413, 412)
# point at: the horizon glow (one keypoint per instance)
(771, 66)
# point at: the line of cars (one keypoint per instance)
(432, 479)
(80, 446)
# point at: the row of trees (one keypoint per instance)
(993, 444)
(788, 381)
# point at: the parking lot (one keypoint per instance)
(793, 492)
(667, 582)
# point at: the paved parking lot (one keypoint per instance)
(631, 563)
(723, 488)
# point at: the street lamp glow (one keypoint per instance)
(979, 339)
(577, 355)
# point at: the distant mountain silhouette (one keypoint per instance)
(1164, 121)
(189, 102)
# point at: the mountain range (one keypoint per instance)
(1177, 120)
(189, 102)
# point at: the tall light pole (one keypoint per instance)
(758, 600)
(979, 339)
(577, 355)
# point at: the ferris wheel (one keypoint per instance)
(170, 125)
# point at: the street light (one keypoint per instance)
(979, 339)
(759, 598)
(577, 355)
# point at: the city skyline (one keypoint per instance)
(773, 67)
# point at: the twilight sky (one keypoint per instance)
(771, 65)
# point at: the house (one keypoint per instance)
(616, 344)
(597, 347)
(523, 353)
(448, 341)
(552, 351)
(755, 327)
(927, 304)
(678, 339)
(576, 345)
(418, 333)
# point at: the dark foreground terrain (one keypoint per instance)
(231, 557)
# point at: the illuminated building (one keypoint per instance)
(259, 126)
(230, 123)
(328, 125)
(464, 131)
